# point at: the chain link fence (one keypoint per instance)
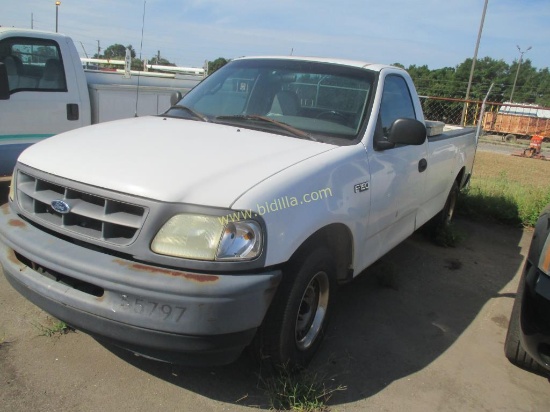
(509, 120)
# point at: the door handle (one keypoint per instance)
(422, 165)
(72, 111)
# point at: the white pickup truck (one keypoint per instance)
(230, 219)
(44, 91)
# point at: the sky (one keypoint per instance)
(436, 33)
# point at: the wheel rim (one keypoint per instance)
(312, 311)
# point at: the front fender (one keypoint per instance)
(331, 188)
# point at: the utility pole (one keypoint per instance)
(98, 49)
(521, 53)
(474, 63)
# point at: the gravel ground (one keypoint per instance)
(489, 144)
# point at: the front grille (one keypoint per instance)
(90, 215)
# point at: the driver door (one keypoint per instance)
(398, 175)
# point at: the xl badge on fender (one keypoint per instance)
(60, 206)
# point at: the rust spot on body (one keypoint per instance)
(175, 273)
(16, 223)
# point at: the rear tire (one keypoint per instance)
(296, 321)
(442, 220)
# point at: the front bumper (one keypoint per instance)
(167, 314)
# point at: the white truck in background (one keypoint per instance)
(44, 90)
(230, 219)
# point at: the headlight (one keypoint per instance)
(12, 188)
(205, 237)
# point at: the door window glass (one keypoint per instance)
(396, 102)
(33, 65)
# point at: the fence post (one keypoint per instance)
(478, 132)
(465, 113)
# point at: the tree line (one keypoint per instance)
(532, 85)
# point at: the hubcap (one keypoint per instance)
(312, 311)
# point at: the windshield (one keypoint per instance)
(300, 98)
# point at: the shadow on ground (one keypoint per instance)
(394, 320)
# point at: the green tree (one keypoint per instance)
(542, 91)
(216, 64)
(532, 86)
(525, 84)
(118, 51)
(421, 78)
(161, 62)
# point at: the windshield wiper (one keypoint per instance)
(192, 111)
(293, 130)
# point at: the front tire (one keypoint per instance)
(512, 345)
(296, 321)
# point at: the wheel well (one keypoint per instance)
(460, 178)
(338, 239)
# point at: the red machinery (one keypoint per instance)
(534, 149)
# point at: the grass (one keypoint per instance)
(302, 391)
(449, 236)
(507, 188)
(54, 328)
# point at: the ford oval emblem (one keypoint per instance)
(60, 206)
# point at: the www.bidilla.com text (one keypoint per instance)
(277, 205)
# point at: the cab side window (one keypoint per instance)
(396, 102)
(33, 65)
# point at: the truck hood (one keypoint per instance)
(171, 160)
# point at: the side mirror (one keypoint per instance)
(4, 85)
(175, 97)
(407, 131)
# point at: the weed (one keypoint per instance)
(56, 327)
(449, 236)
(302, 391)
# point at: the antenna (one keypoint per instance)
(86, 54)
(140, 50)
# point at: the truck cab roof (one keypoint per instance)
(344, 62)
